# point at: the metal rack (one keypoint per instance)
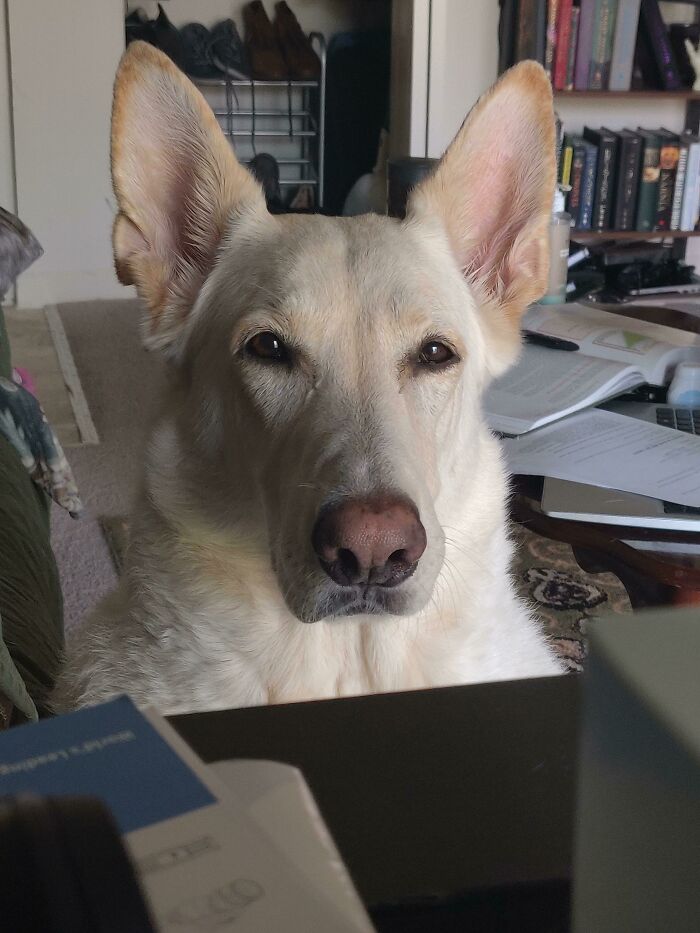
(251, 111)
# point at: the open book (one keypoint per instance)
(615, 354)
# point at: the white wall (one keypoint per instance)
(7, 168)
(64, 55)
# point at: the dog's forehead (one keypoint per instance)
(369, 265)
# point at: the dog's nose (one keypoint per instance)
(377, 540)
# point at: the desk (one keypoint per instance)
(447, 805)
(651, 578)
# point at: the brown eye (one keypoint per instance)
(268, 346)
(435, 353)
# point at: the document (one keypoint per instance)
(602, 448)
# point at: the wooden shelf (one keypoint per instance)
(590, 236)
(628, 95)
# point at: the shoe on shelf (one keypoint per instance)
(196, 40)
(227, 52)
(138, 27)
(167, 38)
(303, 63)
(264, 54)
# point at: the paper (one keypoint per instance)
(548, 384)
(602, 448)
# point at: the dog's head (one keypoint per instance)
(331, 369)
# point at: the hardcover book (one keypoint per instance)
(601, 52)
(648, 194)
(588, 180)
(584, 45)
(578, 162)
(606, 142)
(691, 191)
(573, 39)
(567, 154)
(651, 22)
(629, 157)
(680, 182)
(668, 164)
(561, 53)
(532, 27)
(551, 37)
(626, 26)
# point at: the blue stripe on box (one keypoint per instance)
(109, 751)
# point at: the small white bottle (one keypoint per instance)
(559, 235)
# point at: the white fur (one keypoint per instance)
(223, 602)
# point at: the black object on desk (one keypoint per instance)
(448, 805)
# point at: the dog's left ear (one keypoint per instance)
(179, 187)
(493, 191)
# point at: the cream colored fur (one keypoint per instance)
(223, 602)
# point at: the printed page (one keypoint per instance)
(545, 385)
(602, 448)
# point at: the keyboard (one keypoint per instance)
(682, 419)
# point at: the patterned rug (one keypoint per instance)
(546, 574)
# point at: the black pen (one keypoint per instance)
(552, 343)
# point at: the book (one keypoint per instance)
(584, 45)
(507, 30)
(551, 36)
(677, 34)
(567, 154)
(651, 22)
(571, 57)
(561, 53)
(648, 194)
(615, 355)
(668, 162)
(601, 51)
(679, 182)
(578, 161)
(606, 142)
(629, 158)
(531, 34)
(588, 180)
(626, 25)
(691, 192)
(645, 74)
(193, 830)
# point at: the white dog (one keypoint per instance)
(323, 509)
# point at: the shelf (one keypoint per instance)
(628, 95)
(590, 236)
(240, 82)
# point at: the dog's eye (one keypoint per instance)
(268, 346)
(435, 353)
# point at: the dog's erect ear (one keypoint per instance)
(177, 183)
(493, 190)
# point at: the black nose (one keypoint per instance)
(377, 540)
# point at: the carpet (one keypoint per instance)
(547, 576)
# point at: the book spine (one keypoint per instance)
(668, 160)
(577, 166)
(588, 187)
(571, 57)
(585, 45)
(507, 29)
(551, 41)
(602, 44)
(623, 45)
(562, 50)
(679, 184)
(660, 45)
(648, 186)
(567, 155)
(604, 185)
(627, 182)
(691, 192)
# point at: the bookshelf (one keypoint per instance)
(685, 95)
(600, 236)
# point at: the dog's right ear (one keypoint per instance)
(178, 186)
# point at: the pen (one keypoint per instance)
(552, 343)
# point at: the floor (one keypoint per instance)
(122, 383)
(33, 348)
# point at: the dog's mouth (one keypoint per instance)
(366, 600)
